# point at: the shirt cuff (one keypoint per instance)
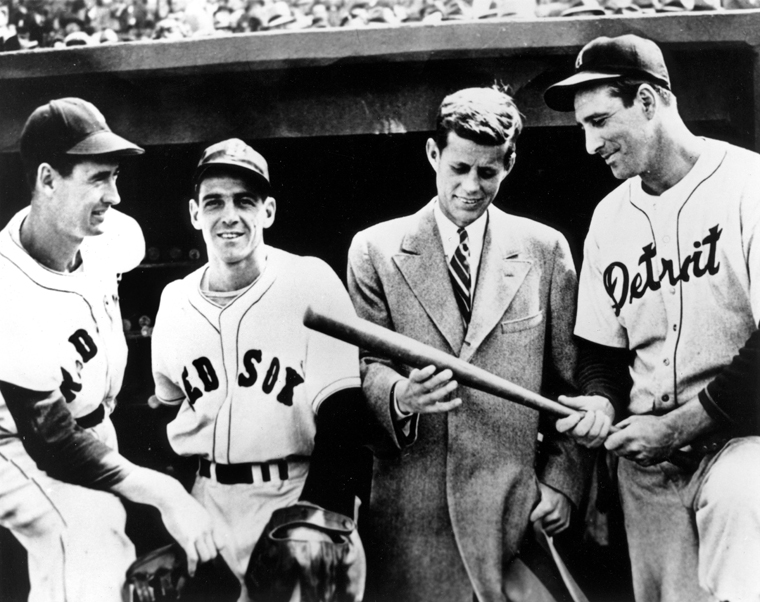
(404, 423)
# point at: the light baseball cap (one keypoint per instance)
(236, 154)
(70, 126)
(607, 59)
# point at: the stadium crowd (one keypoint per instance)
(28, 24)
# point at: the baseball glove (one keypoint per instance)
(161, 576)
(310, 554)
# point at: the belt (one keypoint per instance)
(92, 419)
(250, 472)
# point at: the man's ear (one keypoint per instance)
(193, 207)
(433, 153)
(270, 208)
(511, 162)
(647, 96)
(46, 176)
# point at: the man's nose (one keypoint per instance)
(594, 142)
(471, 181)
(230, 213)
(111, 196)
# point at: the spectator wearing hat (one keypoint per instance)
(62, 360)
(668, 311)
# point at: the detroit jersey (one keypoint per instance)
(63, 331)
(250, 376)
(675, 277)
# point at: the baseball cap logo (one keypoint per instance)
(579, 60)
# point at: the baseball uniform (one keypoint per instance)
(62, 332)
(249, 378)
(670, 277)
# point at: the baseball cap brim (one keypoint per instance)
(242, 166)
(105, 143)
(561, 96)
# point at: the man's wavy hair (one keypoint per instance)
(485, 116)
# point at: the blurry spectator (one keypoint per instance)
(198, 17)
(8, 38)
(170, 29)
(28, 24)
(102, 17)
(77, 38)
(106, 36)
(280, 16)
(223, 21)
(24, 28)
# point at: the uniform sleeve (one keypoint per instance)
(337, 462)
(732, 399)
(596, 320)
(331, 365)
(751, 234)
(29, 358)
(379, 375)
(604, 371)
(58, 445)
(563, 464)
(167, 391)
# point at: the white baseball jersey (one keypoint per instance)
(64, 330)
(676, 277)
(250, 376)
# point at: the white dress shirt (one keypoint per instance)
(476, 232)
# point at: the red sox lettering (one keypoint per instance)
(208, 377)
(87, 350)
(617, 279)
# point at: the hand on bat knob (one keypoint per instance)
(427, 391)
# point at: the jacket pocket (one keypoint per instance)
(522, 323)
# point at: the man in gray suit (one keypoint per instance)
(462, 477)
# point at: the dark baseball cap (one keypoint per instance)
(607, 59)
(236, 154)
(70, 126)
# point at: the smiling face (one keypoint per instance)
(621, 135)
(232, 215)
(468, 176)
(82, 198)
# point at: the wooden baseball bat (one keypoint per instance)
(396, 346)
(399, 347)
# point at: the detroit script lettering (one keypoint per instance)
(621, 288)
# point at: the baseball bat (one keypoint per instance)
(396, 346)
(399, 347)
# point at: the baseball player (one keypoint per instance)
(667, 297)
(62, 358)
(251, 382)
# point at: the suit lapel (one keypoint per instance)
(502, 272)
(423, 265)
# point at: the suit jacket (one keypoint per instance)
(450, 504)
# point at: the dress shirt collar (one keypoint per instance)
(476, 233)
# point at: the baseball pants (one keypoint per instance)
(241, 511)
(695, 536)
(74, 537)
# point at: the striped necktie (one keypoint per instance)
(459, 270)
